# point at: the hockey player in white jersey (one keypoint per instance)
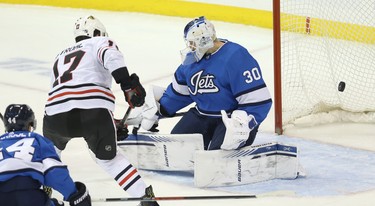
(80, 102)
(28, 161)
(222, 79)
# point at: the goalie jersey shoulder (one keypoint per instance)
(228, 79)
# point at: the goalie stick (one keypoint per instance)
(147, 199)
(178, 114)
(153, 129)
(137, 120)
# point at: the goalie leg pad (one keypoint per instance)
(164, 152)
(248, 165)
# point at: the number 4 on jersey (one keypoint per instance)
(22, 149)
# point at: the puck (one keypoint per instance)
(341, 86)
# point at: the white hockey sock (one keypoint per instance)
(125, 174)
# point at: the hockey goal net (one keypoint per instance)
(324, 61)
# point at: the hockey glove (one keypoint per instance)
(238, 129)
(149, 194)
(122, 130)
(81, 197)
(134, 92)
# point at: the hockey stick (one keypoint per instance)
(123, 120)
(147, 199)
(120, 125)
(213, 197)
(1, 117)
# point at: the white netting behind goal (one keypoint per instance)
(323, 43)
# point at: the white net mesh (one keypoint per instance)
(323, 43)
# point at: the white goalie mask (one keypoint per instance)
(199, 36)
(89, 26)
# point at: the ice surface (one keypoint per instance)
(339, 158)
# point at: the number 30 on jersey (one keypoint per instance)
(251, 75)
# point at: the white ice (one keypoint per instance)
(32, 36)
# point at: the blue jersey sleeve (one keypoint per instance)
(248, 86)
(177, 94)
(56, 174)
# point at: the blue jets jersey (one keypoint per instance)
(24, 153)
(228, 79)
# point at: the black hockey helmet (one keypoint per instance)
(18, 117)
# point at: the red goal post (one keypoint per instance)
(324, 62)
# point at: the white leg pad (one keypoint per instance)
(164, 152)
(248, 165)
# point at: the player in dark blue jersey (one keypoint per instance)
(224, 82)
(29, 161)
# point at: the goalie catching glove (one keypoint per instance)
(238, 129)
(147, 116)
(151, 108)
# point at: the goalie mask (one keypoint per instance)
(18, 117)
(89, 26)
(199, 36)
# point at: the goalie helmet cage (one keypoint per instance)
(324, 57)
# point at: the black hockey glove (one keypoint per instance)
(122, 130)
(134, 92)
(81, 197)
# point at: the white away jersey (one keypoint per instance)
(81, 76)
